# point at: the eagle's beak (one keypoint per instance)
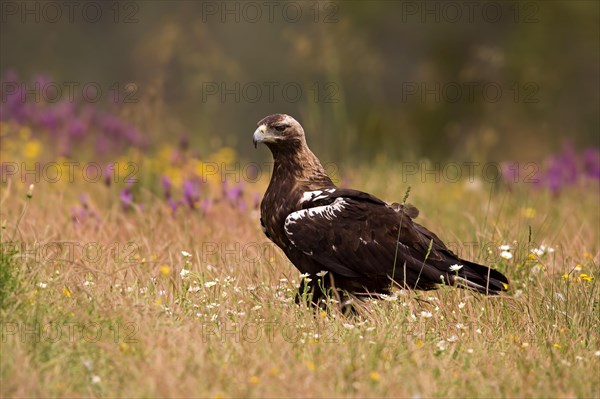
(259, 135)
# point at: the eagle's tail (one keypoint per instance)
(480, 278)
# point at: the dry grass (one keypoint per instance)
(125, 323)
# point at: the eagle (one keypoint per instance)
(346, 239)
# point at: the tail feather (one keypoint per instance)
(480, 278)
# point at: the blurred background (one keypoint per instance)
(394, 80)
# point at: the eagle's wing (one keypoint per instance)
(354, 234)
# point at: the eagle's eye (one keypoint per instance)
(280, 128)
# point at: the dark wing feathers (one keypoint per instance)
(355, 235)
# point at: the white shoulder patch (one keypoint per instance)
(329, 212)
(315, 195)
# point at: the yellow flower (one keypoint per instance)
(223, 156)
(565, 276)
(165, 270)
(310, 365)
(375, 376)
(32, 149)
(556, 346)
(273, 371)
(528, 213)
(419, 343)
(586, 277)
(254, 380)
(124, 347)
(66, 292)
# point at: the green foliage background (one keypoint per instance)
(370, 51)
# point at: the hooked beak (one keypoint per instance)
(259, 135)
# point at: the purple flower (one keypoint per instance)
(126, 198)
(234, 194)
(191, 192)
(166, 183)
(77, 128)
(173, 204)
(108, 173)
(591, 163)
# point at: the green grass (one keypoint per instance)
(125, 323)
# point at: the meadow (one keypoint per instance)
(150, 283)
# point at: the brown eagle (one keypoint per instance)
(365, 244)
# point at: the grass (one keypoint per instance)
(103, 309)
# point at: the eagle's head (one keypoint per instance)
(279, 130)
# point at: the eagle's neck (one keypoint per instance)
(297, 163)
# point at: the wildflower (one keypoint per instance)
(191, 193)
(456, 267)
(184, 273)
(504, 247)
(375, 377)
(565, 276)
(96, 379)
(66, 292)
(186, 254)
(441, 345)
(597, 353)
(87, 283)
(556, 346)
(528, 213)
(167, 185)
(194, 288)
(506, 255)
(126, 197)
(165, 270)
(310, 365)
(390, 298)
(453, 338)
(426, 315)
(586, 277)
(348, 326)
(209, 284)
(461, 305)
(537, 251)
(42, 285)
(536, 269)
(322, 273)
